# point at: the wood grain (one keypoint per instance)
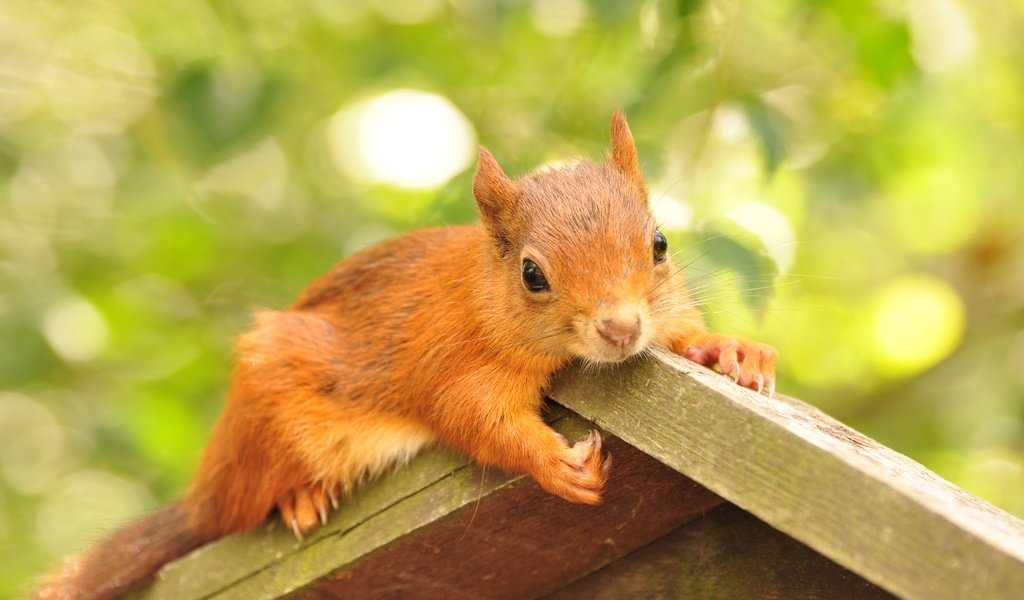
(222, 564)
(521, 542)
(727, 555)
(870, 509)
(442, 524)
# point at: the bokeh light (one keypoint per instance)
(942, 35)
(918, 321)
(75, 329)
(406, 138)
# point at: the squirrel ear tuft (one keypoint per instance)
(496, 197)
(623, 154)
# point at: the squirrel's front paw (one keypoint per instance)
(306, 508)
(749, 363)
(577, 473)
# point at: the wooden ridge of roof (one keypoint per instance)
(715, 492)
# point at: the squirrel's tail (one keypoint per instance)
(125, 558)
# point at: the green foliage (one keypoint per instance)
(821, 167)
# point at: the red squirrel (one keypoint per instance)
(446, 335)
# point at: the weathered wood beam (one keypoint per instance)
(442, 528)
(521, 542)
(726, 554)
(872, 510)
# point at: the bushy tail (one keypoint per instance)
(124, 559)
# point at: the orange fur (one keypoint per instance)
(433, 336)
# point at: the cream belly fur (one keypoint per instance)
(359, 451)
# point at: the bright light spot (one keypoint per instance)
(771, 227)
(33, 447)
(558, 18)
(942, 36)
(84, 505)
(406, 138)
(76, 330)
(670, 212)
(918, 321)
(730, 124)
(407, 12)
(260, 173)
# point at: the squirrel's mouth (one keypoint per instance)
(609, 340)
(600, 351)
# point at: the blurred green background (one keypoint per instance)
(846, 176)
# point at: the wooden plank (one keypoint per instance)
(460, 529)
(223, 563)
(523, 542)
(870, 509)
(727, 555)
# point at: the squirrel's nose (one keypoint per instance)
(620, 332)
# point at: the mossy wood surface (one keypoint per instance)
(870, 509)
(440, 527)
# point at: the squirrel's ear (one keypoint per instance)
(497, 197)
(623, 154)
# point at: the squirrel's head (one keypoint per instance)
(577, 252)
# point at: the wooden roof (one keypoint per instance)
(715, 492)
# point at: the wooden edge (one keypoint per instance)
(224, 562)
(519, 541)
(728, 554)
(865, 506)
(442, 520)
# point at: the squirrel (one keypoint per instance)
(446, 335)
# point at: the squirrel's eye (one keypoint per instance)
(659, 247)
(533, 277)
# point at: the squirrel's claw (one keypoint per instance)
(748, 363)
(305, 509)
(579, 473)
